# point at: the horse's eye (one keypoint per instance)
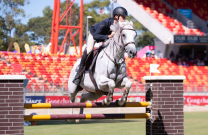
(123, 35)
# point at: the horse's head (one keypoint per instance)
(126, 35)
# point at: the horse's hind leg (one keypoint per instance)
(127, 83)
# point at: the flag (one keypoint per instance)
(153, 68)
(16, 47)
(27, 48)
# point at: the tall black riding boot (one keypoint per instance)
(78, 76)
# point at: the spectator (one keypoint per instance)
(23, 69)
(207, 23)
(2, 57)
(40, 77)
(184, 63)
(178, 56)
(205, 60)
(172, 55)
(160, 54)
(200, 63)
(29, 72)
(179, 62)
(190, 58)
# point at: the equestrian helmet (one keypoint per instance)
(120, 11)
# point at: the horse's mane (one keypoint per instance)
(124, 23)
(118, 25)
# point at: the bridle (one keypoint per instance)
(123, 45)
(120, 36)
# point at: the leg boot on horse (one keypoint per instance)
(78, 76)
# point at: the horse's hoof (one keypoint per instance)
(117, 103)
(69, 120)
(77, 120)
(105, 102)
(121, 102)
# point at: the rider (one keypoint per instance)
(99, 33)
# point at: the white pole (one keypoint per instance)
(151, 106)
(112, 1)
(87, 28)
(87, 31)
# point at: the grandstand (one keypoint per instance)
(171, 27)
(50, 72)
(163, 19)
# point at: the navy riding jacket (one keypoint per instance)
(100, 31)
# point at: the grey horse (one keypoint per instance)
(110, 68)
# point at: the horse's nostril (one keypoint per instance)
(130, 52)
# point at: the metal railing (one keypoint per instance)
(54, 88)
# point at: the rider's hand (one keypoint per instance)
(109, 36)
(112, 34)
(101, 43)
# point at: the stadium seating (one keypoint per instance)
(161, 12)
(51, 72)
(40, 69)
(193, 5)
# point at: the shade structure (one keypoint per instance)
(86, 116)
(84, 105)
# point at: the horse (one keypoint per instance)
(110, 68)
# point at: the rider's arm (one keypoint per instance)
(97, 33)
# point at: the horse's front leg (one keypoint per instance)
(127, 83)
(103, 82)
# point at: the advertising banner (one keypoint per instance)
(196, 100)
(57, 99)
(190, 39)
(34, 99)
(188, 100)
(186, 12)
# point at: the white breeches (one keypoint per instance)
(90, 43)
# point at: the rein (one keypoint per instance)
(123, 45)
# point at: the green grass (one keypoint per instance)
(195, 124)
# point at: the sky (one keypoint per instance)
(35, 8)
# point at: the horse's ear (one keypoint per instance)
(114, 27)
(131, 23)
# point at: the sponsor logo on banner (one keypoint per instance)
(186, 12)
(188, 100)
(196, 100)
(34, 99)
(57, 99)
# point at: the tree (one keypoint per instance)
(3, 33)
(40, 27)
(145, 37)
(10, 9)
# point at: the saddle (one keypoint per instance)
(90, 64)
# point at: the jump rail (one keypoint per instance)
(84, 105)
(86, 116)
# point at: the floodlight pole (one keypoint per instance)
(88, 17)
(56, 26)
(112, 1)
